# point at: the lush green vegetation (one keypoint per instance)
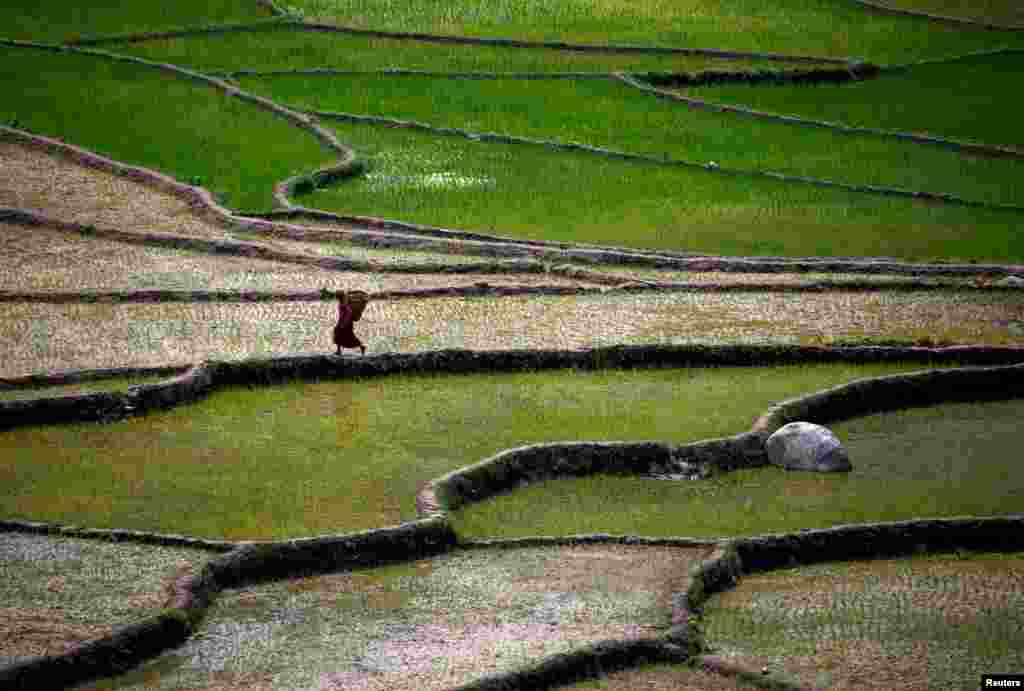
(620, 118)
(1005, 12)
(146, 116)
(334, 457)
(534, 192)
(796, 27)
(53, 21)
(949, 460)
(966, 99)
(289, 48)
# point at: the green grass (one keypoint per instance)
(804, 27)
(536, 193)
(942, 461)
(942, 620)
(308, 459)
(54, 21)
(1006, 12)
(965, 99)
(622, 118)
(149, 117)
(298, 49)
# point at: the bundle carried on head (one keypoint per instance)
(357, 300)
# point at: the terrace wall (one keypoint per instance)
(246, 563)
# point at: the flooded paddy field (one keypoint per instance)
(57, 592)
(930, 621)
(429, 624)
(312, 458)
(942, 461)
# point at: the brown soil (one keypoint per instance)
(28, 632)
(55, 187)
(40, 259)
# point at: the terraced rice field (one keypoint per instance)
(493, 193)
(428, 624)
(948, 618)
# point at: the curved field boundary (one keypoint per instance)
(400, 72)
(380, 233)
(946, 19)
(193, 594)
(737, 557)
(245, 563)
(961, 147)
(285, 22)
(894, 392)
(32, 381)
(534, 264)
(491, 137)
(513, 468)
(347, 165)
(854, 72)
(257, 251)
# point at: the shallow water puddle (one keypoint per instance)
(441, 181)
(429, 624)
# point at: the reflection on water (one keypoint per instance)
(446, 179)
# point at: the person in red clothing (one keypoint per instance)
(350, 310)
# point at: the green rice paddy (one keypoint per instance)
(949, 460)
(146, 116)
(58, 22)
(802, 27)
(537, 193)
(308, 459)
(289, 48)
(965, 99)
(1003, 12)
(622, 118)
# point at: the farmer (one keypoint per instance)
(350, 310)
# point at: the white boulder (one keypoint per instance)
(806, 446)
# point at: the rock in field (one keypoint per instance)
(806, 446)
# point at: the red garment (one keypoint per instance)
(344, 336)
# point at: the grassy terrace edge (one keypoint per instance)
(376, 232)
(243, 563)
